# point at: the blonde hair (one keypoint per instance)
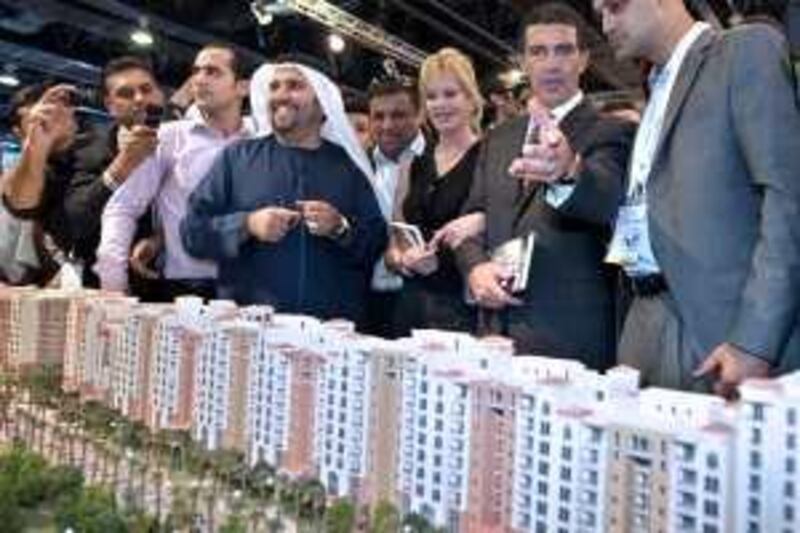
(453, 62)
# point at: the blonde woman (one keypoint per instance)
(439, 182)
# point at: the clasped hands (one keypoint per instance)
(271, 224)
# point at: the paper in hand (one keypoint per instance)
(407, 235)
(515, 256)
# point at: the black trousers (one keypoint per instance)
(420, 307)
(166, 290)
(379, 315)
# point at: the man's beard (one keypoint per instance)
(286, 118)
(284, 126)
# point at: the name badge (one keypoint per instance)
(631, 239)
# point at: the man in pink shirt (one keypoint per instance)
(186, 148)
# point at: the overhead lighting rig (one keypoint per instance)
(344, 24)
(265, 12)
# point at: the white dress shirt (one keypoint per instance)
(186, 149)
(388, 174)
(661, 80)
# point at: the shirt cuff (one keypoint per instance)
(110, 181)
(113, 277)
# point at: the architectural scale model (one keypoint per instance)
(442, 424)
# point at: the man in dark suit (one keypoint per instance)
(710, 230)
(565, 189)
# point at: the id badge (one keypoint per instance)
(630, 238)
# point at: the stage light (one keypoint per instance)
(336, 43)
(8, 77)
(515, 76)
(265, 19)
(265, 11)
(9, 80)
(141, 36)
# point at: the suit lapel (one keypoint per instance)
(512, 146)
(573, 125)
(523, 195)
(516, 136)
(683, 83)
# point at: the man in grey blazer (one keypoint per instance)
(565, 189)
(710, 230)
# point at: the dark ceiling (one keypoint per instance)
(71, 39)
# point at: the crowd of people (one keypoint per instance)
(671, 245)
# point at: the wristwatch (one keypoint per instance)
(343, 229)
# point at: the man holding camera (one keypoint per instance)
(291, 217)
(23, 258)
(69, 197)
(186, 148)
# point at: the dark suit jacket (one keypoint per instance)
(724, 195)
(74, 196)
(568, 310)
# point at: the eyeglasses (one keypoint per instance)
(540, 52)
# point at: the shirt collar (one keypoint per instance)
(660, 74)
(414, 149)
(417, 146)
(561, 111)
(198, 122)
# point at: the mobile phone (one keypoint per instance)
(153, 116)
